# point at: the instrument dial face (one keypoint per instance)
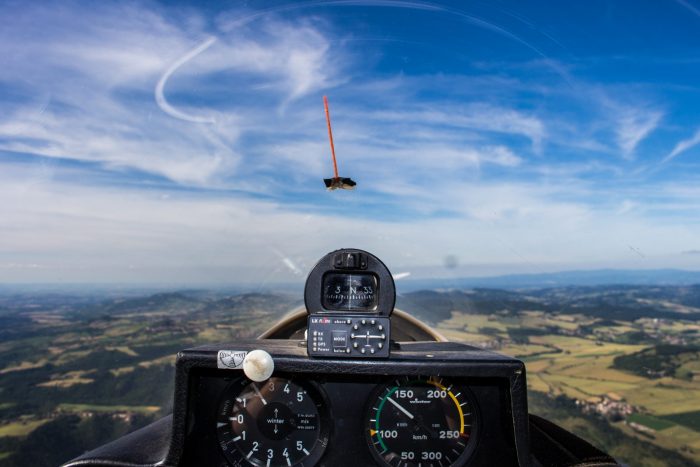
(349, 292)
(421, 422)
(279, 422)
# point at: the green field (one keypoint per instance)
(79, 408)
(21, 428)
(657, 424)
(687, 419)
(570, 360)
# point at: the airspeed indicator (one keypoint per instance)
(421, 422)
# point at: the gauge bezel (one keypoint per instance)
(314, 391)
(466, 393)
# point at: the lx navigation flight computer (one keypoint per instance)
(349, 296)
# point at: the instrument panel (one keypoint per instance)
(426, 421)
(332, 420)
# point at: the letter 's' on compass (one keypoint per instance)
(337, 182)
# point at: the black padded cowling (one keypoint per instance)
(553, 446)
(146, 447)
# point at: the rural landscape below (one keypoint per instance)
(618, 365)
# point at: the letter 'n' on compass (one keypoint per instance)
(337, 182)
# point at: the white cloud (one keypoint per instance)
(79, 231)
(478, 116)
(633, 126)
(501, 155)
(627, 206)
(683, 146)
(99, 66)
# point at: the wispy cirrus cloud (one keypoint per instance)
(633, 126)
(683, 146)
(478, 116)
(99, 106)
(629, 116)
(138, 233)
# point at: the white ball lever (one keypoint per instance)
(258, 365)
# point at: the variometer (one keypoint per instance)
(276, 423)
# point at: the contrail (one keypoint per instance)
(424, 6)
(160, 97)
(689, 7)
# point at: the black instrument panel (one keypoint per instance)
(350, 388)
(346, 434)
(415, 409)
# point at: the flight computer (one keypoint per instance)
(349, 296)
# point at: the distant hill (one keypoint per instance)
(434, 306)
(626, 302)
(595, 277)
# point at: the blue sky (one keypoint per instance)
(186, 142)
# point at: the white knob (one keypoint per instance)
(258, 365)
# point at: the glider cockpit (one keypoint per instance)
(348, 381)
